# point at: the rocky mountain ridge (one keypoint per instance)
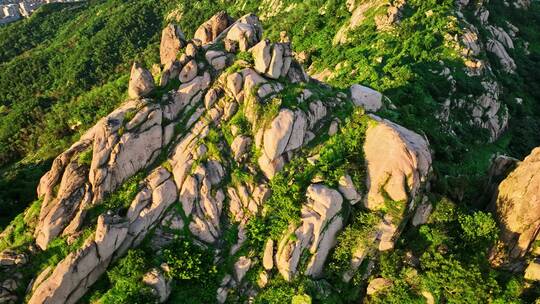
(145, 128)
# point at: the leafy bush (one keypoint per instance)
(245, 56)
(479, 228)
(85, 158)
(279, 291)
(118, 201)
(21, 229)
(195, 276)
(126, 281)
(355, 235)
(188, 262)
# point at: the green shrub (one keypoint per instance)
(245, 56)
(301, 299)
(85, 158)
(188, 262)
(21, 229)
(126, 280)
(194, 273)
(355, 235)
(479, 228)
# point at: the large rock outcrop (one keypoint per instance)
(398, 162)
(73, 276)
(210, 30)
(272, 59)
(127, 140)
(172, 41)
(517, 204)
(497, 48)
(321, 222)
(141, 82)
(246, 32)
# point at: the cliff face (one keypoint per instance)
(516, 206)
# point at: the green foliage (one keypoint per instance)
(266, 111)
(241, 176)
(118, 201)
(195, 276)
(213, 143)
(448, 258)
(355, 235)
(301, 299)
(21, 229)
(125, 280)
(245, 56)
(85, 158)
(55, 72)
(188, 262)
(479, 227)
(344, 152)
(455, 281)
(278, 292)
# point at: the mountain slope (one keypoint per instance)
(58, 77)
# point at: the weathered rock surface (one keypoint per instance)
(188, 72)
(347, 188)
(141, 82)
(121, 144)
(285, 134)
(172, 41)
(533, 271)
(516, 206)
(241, 267)
(367, 98)
(277, 136)
(73, 275)
(10, 258)
(217, 59)
(210, 30)
(272, 59)
(489, 113)
(317, 232)
(199, 202)
(393, 15)
(239, 146)
(497, 48)
(159, 284)
(357, 16)
(377, 284)
(268, 257)
(187, 95)
(423, 211)
(398, 162)
(247, 31)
